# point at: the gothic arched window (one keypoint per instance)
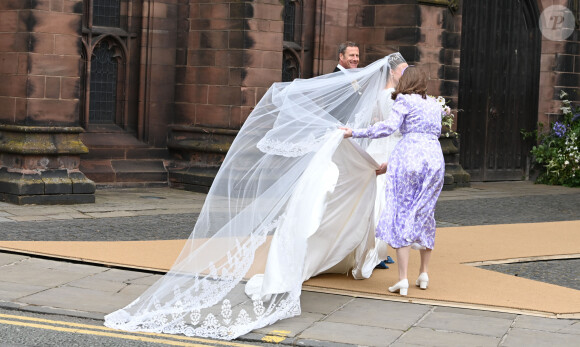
(290, 66)
(293, 45)
(289, 19)
(107, 13)
(106, 58)
(103, 85)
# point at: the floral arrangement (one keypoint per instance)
(446, 117)
(557, 152)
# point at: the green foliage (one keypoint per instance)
(446, 117)
(557, 154)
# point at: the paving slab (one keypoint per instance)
(31, 218)
(292, 327)
(11, 291)
(118, 275)
(467, 323)
(64, 266)
(80, 299)
(443, 338)
(38, 210)
(145, 280)
(62, 313)
(525, 337)
(350, 333)
(573, 328)
(483, 313)
(111, 214)
(380, 313)
(322, 302)
(97, 284)
(64, 216)
(165, 212)
(9, 258)
(133, 291)
(35, 275)
(540, 323)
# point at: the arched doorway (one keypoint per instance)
(498, 87)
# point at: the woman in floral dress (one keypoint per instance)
(414, 175)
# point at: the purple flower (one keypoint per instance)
(576, 117)
(559, 129)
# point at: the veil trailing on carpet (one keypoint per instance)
(289, 178)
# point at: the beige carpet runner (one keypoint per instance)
(454, 278)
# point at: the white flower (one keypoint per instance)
(566, 109)
(566, 162)
(440, 100)
(563, 94)
(447, 110)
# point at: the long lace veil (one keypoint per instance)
(277, 166)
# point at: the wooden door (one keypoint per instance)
(498, 87)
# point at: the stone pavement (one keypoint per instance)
(39, 284)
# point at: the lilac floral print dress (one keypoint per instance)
(415, 172)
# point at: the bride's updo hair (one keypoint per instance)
(395, 60)
(413, 81)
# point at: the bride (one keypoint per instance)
(380, 150)
(291, 200)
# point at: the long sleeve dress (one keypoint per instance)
(380, 149)
(414, 177)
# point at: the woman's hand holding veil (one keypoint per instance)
(347, 132)
(382, 169)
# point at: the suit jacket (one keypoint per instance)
(336, 69)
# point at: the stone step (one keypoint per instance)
(194, 179)
(120, 159)
(125, 153)
(126, 172)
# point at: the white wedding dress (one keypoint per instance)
(349, 223)
(336, 229)
(291, 200)
(380, 150)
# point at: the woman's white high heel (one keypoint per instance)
(422, 281)
(402, 286)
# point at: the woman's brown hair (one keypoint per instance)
(413, 81)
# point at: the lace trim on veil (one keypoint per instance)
(288, 149)
(182, 313)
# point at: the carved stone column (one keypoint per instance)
(455, 176)
(39, 165)
(40, 66)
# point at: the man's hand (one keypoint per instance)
(347, 132)
(382, 169)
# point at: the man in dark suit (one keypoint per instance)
(348, 56)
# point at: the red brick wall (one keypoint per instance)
(383, 28)
(439, 50)
(158, 60)
(13, 59)
(40, 61)
(14, 37)
(559, 70)
(233, 54)
(426, 35)
(332, 18)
